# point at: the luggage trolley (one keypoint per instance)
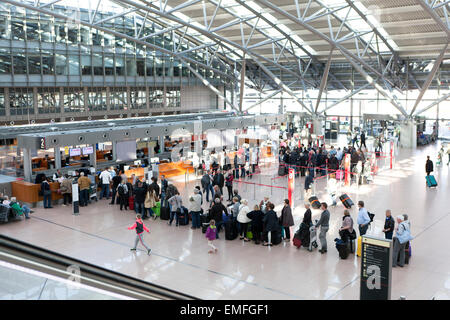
(313, 237)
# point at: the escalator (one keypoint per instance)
(29, 272)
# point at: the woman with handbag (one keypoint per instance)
(150, 202)
(346, 231)
(402, 236)
(229, 184)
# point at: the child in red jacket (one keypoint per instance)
(140, 227)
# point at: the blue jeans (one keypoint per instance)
(105, 191)
(173, 214)
(209, 188)
(388, 235)
(150, 212)
(47, 201)
(84, 197)
(139, 207)
(196, 219)
(26, 210)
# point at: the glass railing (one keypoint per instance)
(28, 272)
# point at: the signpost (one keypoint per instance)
(291, 186)
(75, 203)
(376, 269)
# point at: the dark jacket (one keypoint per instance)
(206, 181)
(271, 221)
(139, 193)
(389, 223)
(116, 181)
(155, 187)
(324, 220)
(216, 212)
(286, 217)
(257, 217)
(164, 185)
(219, 180)
(429, 166)
(307, 218)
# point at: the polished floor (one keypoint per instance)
(241, 270)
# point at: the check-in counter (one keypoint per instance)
(29, 192)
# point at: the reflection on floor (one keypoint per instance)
(241, 270)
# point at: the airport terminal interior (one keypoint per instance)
(224, 149)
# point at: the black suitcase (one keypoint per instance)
(346, 201)
(314, 201)
(276, 237)
(205, 226)
(231, 232)
(343, 250)
(165, 213)
(183, 217)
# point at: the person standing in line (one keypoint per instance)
(140, 227)
(219, 180)
(363, 140)
(66, 190)
(139, 197)
(263, 204)
(115, 183)
(363, 219)
(164, 185)
(402, 236)
(47, 194)
(389, 225)
(84, 184)
(256, 216)
(176, 203)
(123, 192)
(105, 178)
(195, 207)
(346, 229)
(287, 221)
(271, 224)
(211, 235)
(236, 165)
(243, 220)
(149, 202)
(216, 213)
(323, 223)
(235, 194)
(428, 166)
(229, 184)
(206, 185)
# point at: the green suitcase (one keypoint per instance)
(157, 209)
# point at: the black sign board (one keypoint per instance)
(376, 267)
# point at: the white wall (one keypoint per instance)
(197, 98)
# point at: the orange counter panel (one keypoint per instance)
(28, 192)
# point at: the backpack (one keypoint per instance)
(121, 190)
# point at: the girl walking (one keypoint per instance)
(140, 227)
(211, 235)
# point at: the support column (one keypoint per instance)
(114, 150)
(408, 135)
(93, 157)
(57, 153)
(27, 164)
(161, 144)
(198, 144)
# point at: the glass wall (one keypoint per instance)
(48, 100)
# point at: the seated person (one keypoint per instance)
(6, 201)
(15, 206)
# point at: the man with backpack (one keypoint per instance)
(122, 190)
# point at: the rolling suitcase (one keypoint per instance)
(165, 213)
(183, 217)
(231, 232)
(346, 201)
(314, 201)
(339, 175)
(276, 237)
(281, 170)
(297, 241)
(431, 181)
(131, 202)
(342, 248)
